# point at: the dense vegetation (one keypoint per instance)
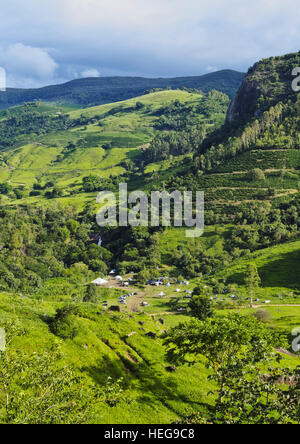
(28, 120)
(183, 133)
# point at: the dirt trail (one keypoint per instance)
(268, 170)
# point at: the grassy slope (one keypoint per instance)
(126, 131)
(103, 349)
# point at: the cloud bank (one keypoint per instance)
(57, 40)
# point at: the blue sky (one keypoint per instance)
(52, 41)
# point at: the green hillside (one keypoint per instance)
(102, 349)
(105, 140)
(225, 303)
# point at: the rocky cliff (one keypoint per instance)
(268, 82)
(244, 103)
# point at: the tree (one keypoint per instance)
(91, 294)
(5, 188)
(143, 276)
(239, 352)
(62, 324)
(252, 280)
(139, 106)
(201, 306)
(256, 175)
(70, 147)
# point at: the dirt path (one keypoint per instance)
(268, 170)
(243, 307)
(278, 306)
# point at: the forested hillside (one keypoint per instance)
(97, 91)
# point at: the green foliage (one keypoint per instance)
(38, 244)
(37, 389)
(62, 324)
(91, 294)
(256, 175)
(220, 340)
(143, 276)
(201, 307)
(28, 120)
(5, 188)
(96, 183)
(239, 351)
(186, 126)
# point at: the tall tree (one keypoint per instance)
(252, 280)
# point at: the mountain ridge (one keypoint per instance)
(99, 91)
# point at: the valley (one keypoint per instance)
(138, 349)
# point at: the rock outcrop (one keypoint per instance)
(244, 103)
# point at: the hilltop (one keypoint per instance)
(97, 91)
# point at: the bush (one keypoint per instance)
(256, 175)
(91, 294)
(263, 316)
(201, 307)
(62, 324)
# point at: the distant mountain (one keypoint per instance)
(98, 91)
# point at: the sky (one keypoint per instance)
(52, 41)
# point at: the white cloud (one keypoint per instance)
(90, 73)
(27, 64)
(142, 37)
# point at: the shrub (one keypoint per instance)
(201, 307)
(263, 316)
(256, 175)
(62, 324)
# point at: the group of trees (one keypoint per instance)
(38, 244)
(28, 120)
(185, 127)
(277, 127)
(92, 183)
(252, 227)
(262, 225)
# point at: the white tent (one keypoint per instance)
(119, 278)
(99, 281)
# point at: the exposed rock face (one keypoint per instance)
(244, 103)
